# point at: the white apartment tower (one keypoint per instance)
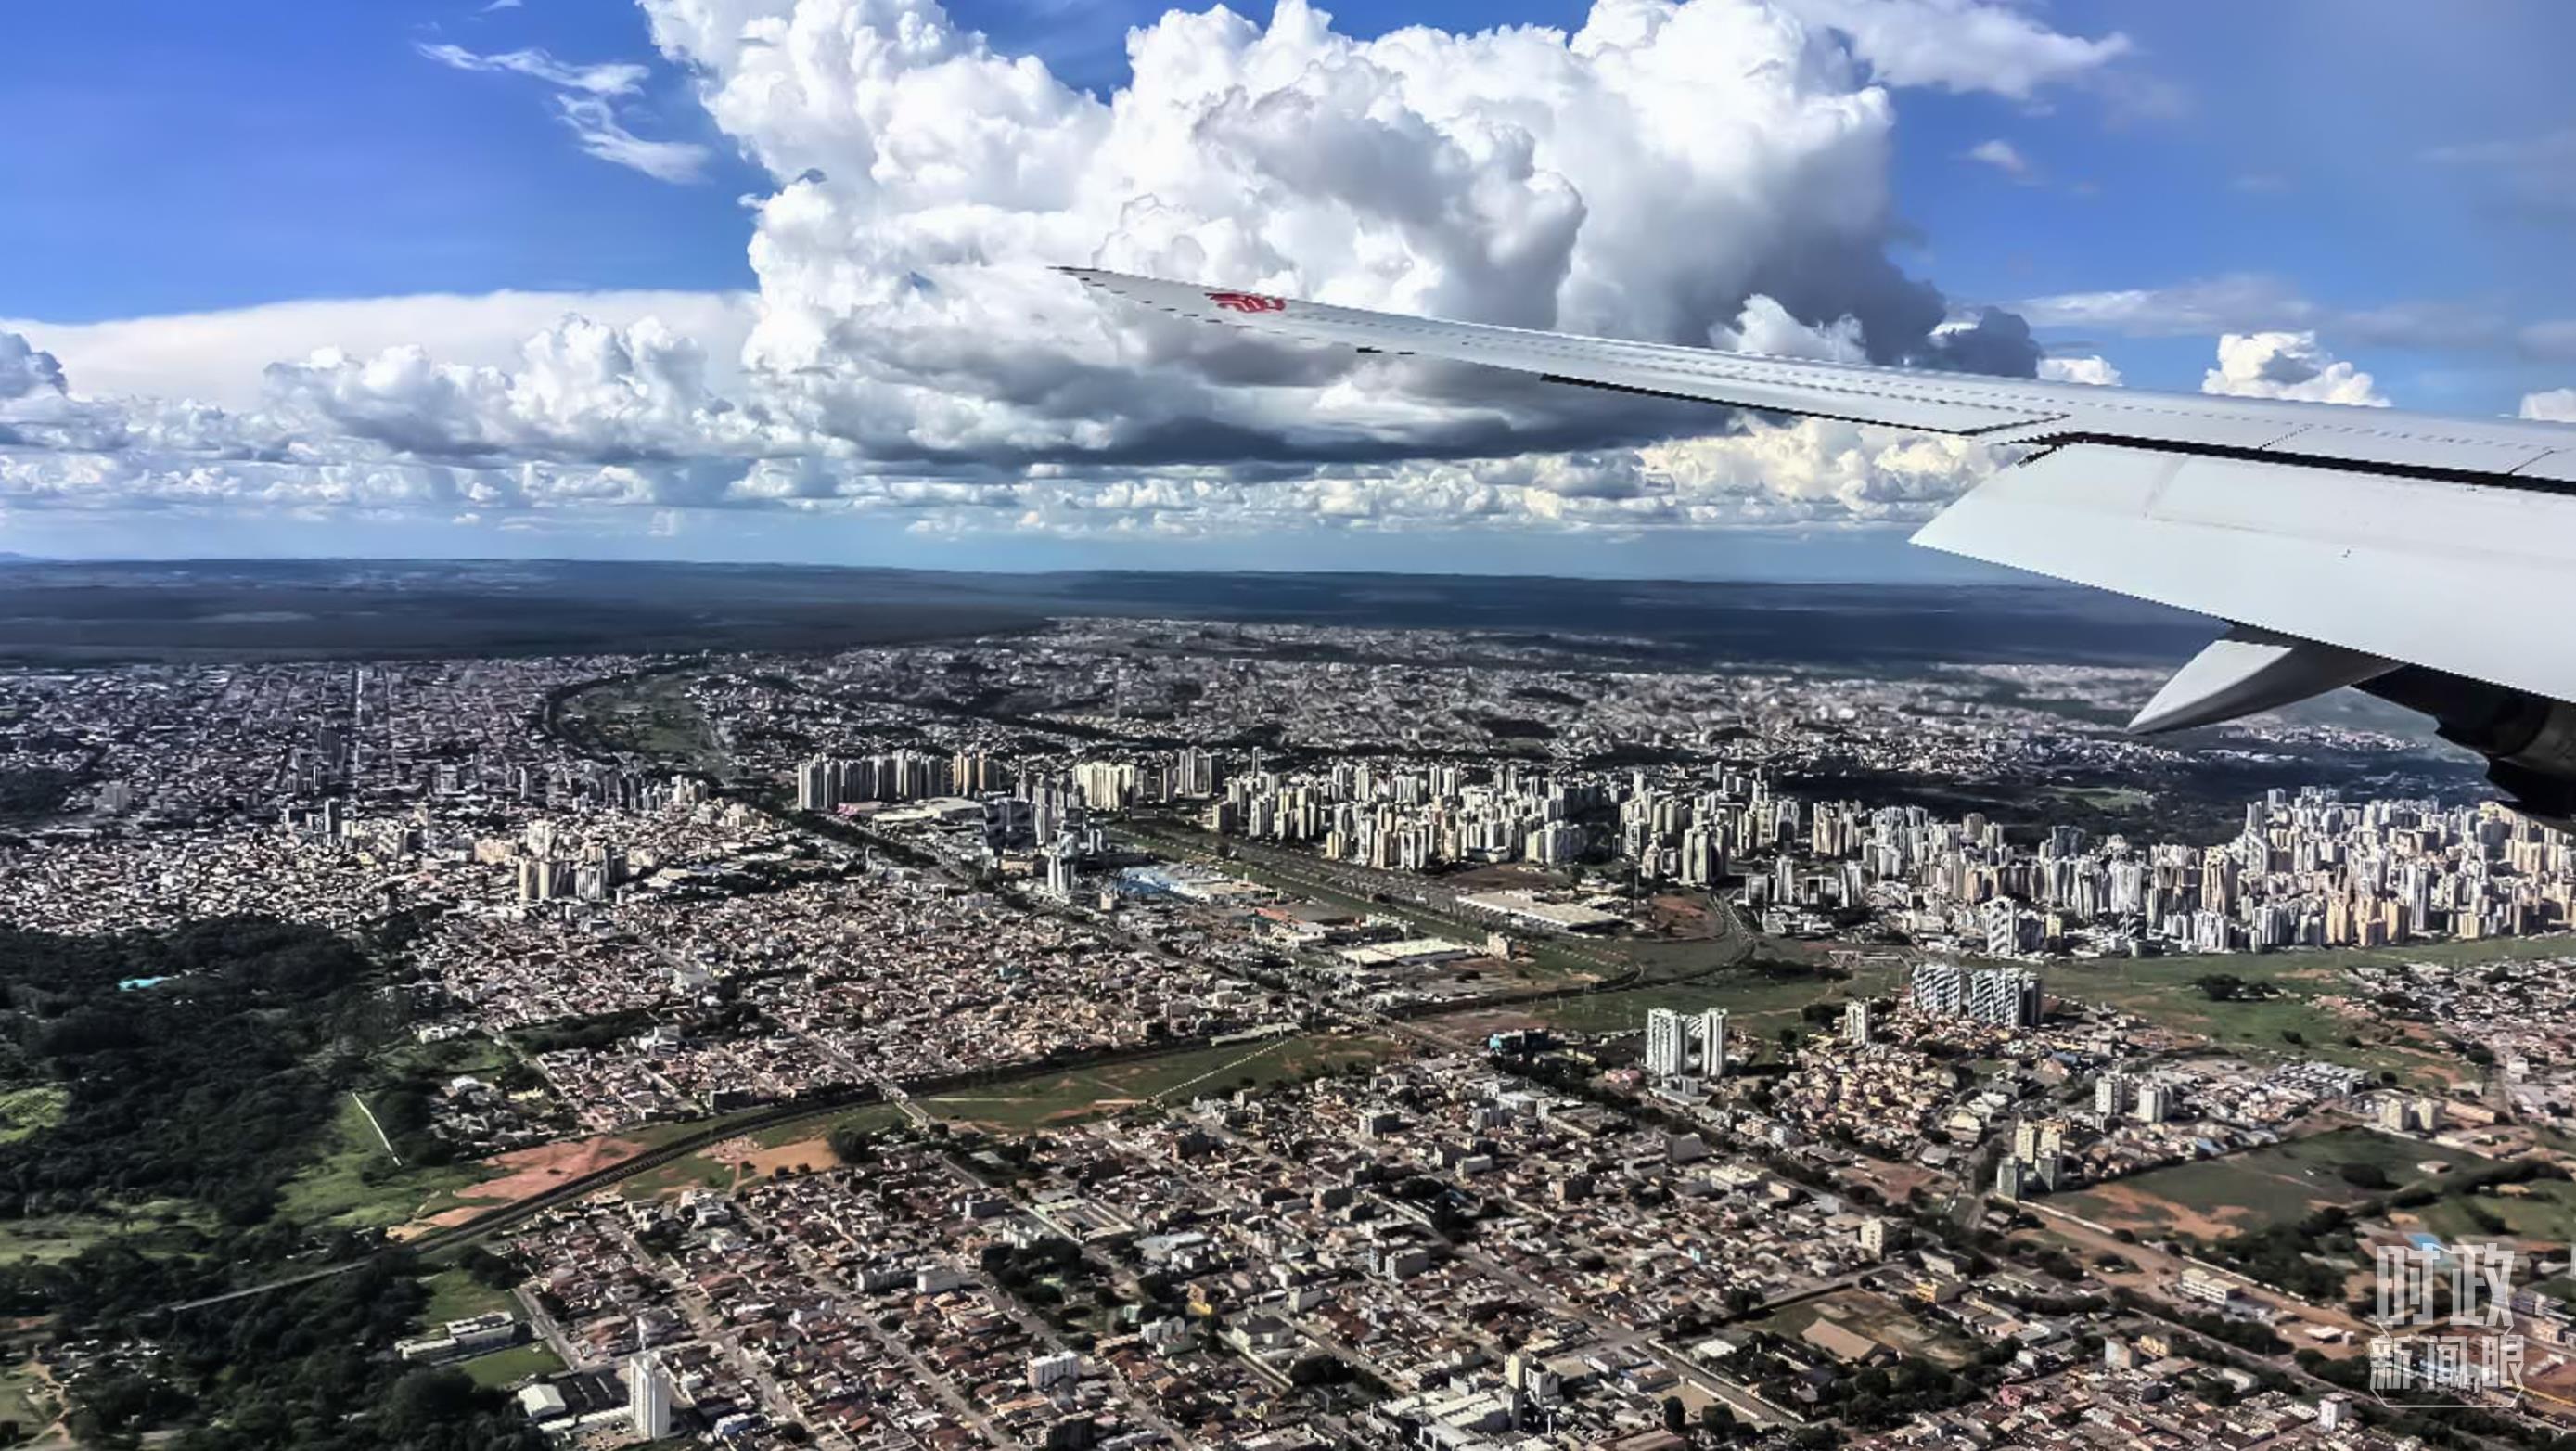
(2154, 1103)
(1712, 1043)
(648, 1396)
(1667, 1044)
(1062, 878)
(2110, 1095)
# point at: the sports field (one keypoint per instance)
(505, 1368)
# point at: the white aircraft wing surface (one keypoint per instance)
(2344, 542)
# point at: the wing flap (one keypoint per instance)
(2466, 579)
(2406, 450)
(2556, 467)
(2248, 670)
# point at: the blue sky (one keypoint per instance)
(181, 157)
(202, 156)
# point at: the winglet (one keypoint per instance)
(2247, 670)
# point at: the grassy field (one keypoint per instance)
(2544, 1213)
(710, 1169)
(870, 1119)
(60, 1236)
(654, 715)
(1174, 1078)
(454, 1295)
(2166, 991)
(505, 1368)
(2494, 949)
(2281, 1184)
(355, 1183)
(689, 1171)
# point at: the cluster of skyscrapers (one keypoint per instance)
(2308, 870)
(1188, 774)
(598, 784)
(551, 869)
(2037, 1163)
(1409, 818)
(825, 782)
(2145, 1100)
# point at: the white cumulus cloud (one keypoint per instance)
(218, 356)
(1596, 182)
(24, 369)
(2557, 405)
(2287, 365)
(2096, 370)
(2252, 302)
(1706, 171)
(1765, 327)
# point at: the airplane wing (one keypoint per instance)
(2346, 544)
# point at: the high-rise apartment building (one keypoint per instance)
(1667, 1044)
(648, 1396)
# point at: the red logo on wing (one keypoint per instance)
(1248, 302)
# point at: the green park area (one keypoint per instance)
(2266, 1188)
(869, 1119)
(701, 1170)
(652, 714)
(796, 1144)
(505, 1368)
(1174, 1078)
